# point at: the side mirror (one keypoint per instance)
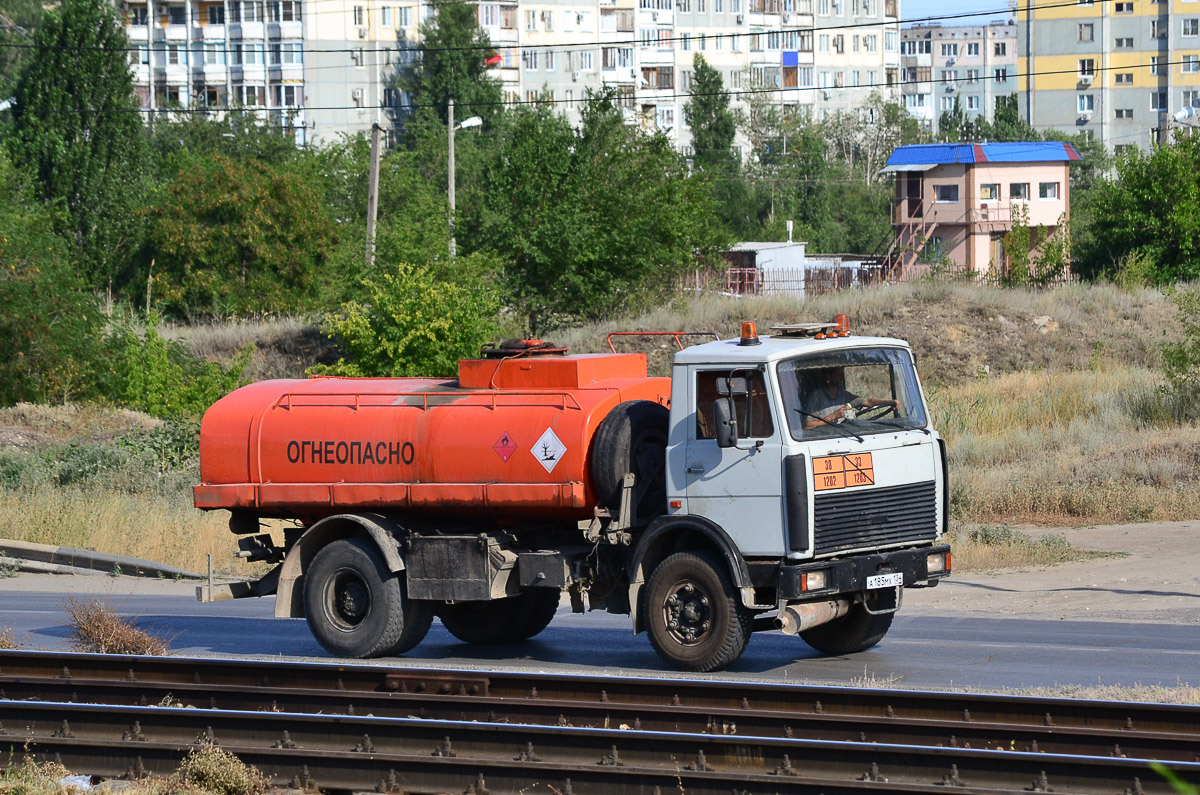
(726, 430)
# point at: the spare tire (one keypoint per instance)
(632, 438)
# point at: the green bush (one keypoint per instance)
(1181, 359)
(161, 378)
(411, 325)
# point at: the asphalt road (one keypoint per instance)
(923, 650)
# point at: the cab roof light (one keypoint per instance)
(843, 324)
(749, 334)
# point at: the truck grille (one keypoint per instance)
(877, 518)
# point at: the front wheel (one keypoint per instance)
(355, 607)
(696, 621)
(856, 631)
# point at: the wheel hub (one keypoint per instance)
(349, 600)
(688, 613)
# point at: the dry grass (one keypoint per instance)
(284, 346)
(8, 639)
(161, 528)
(96, 628)
(987, 548)
(207, 770)
(211, 769)
(1072, 447)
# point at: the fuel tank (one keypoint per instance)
(509, 438)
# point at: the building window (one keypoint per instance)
(973, 103)
(140, 55)
(950, 77)
(529, 59)
(972, 49)
(548, 21)
(216, 15)
(284, 11)
(251, 95)
(1157, 29)
(138, 15)
(1000, 48)
(1191, 98)
(406, 16)
(360, 16)
(176, 15)
(289, 96)
(549, 60)
(1156, 67)
(989, 191)
(972, 75)
(214, 53)
(385, 16)
(1191, 64)
(248, 54)
(1087, 67)
(1047, 190)
(1018, 191)
(945, 194)
(1123, 8)
(1125, 43)
(1158, 100)
(1086, 103)
(1001, 75)
(531, 20)
(949, 50)
(1087, 31)
(288, 52)
(1123, 149)
(1191, 27)
(1124, 113)
(1123, 79)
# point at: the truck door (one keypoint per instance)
(740, 487)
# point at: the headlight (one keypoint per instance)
(815, 580)
(938, 562)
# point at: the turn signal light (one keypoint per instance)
(814, 580)
(749, 334)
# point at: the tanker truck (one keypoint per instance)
(785, 482)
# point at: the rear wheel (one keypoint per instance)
(544, 607)
(696, 621)
(355, 607)
(856, 631)
(497, 620)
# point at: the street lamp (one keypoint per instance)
(466, 124)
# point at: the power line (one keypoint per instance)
(584, 100)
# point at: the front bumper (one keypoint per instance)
(849, 575)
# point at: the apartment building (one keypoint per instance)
(972, 64)
(324, 67)
(1117, 71)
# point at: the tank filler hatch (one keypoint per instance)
(536, 364)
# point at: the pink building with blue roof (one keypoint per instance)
(958, 201)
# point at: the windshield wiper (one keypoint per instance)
(833, 425)
(903, 425)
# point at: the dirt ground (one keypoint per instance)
(1157, 580)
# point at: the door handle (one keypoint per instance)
(695, 470)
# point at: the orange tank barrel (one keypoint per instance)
(510, 438)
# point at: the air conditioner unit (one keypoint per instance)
(1086, 79)
(1085, 117)
(362, 33)
(654, 16)
(787, 18)
(741, 19)
(357, 94)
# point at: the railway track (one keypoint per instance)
(339, 728)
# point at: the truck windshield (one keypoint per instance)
(851, 393)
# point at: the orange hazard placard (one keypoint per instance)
(843, 471)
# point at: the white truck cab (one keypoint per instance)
(809, 455)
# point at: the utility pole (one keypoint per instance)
(450, 133)
(373, 196)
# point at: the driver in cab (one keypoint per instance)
(831, 403)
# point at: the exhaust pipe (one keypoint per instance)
(795, 619)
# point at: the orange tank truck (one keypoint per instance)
(789, 482)
(509, 439)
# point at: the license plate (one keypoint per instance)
(885, 580)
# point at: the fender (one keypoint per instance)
(658, 534)
(383, 531)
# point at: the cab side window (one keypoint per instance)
(752, 411)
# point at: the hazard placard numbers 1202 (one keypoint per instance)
(843, 471)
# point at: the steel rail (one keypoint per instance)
(643, 693)
(881, 729)
(340, 752)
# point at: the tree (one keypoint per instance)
(591, 221)
(451, 65)
(708, 115)
(410, 324)
(1151, 209)
(77, 128)
(235, 238)
(1006, 124)
(18, 21)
